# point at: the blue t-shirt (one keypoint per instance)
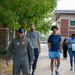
(70, 40)
(55, 42)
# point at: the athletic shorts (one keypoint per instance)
(54, 55)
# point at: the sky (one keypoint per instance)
(66, 5)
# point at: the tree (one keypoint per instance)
(14, 13)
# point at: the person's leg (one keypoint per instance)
(29, 63)
(51, 65)
(16, 66)
(25, 65)
(57, 55)
(51, 56)
(66, 53)
(16, 70)
(58, 63)
(25, 70)
(63, 53)
(36, 55)
(71, 58)
(74, 60)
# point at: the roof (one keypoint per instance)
(57, 13)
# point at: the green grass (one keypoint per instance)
(7, 70)
(0, 61)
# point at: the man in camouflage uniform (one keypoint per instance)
(20, 46)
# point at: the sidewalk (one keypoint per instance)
(43, 64)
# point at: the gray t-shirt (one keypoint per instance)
(33, 36)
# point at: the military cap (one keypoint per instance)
(21, 30)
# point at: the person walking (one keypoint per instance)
(54, 47)
(71, 52)
(20, 46)
(65, 48)
(34, 36)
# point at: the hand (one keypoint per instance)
(61, 51)
(7, 62)
(72, 42)
(31, 62)
(48, 50)
(39, 51)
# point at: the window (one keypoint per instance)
(72, 22)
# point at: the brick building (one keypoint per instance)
(65, 20)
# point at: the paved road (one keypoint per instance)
(43, 64)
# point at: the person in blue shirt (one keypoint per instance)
(69, 42)
(54, 47)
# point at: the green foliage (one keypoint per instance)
(3, 48)
(45, 25)
(14, 13)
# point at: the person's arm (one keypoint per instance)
(49, 43)
(68, 42)
(31, 52)
(39, 45)
(9, 50)
(38, 40)
(60, 46)
(49, 46)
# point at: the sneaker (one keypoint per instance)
(57, 73)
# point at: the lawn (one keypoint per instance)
(5, 70)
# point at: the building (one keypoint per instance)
(65, 20)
